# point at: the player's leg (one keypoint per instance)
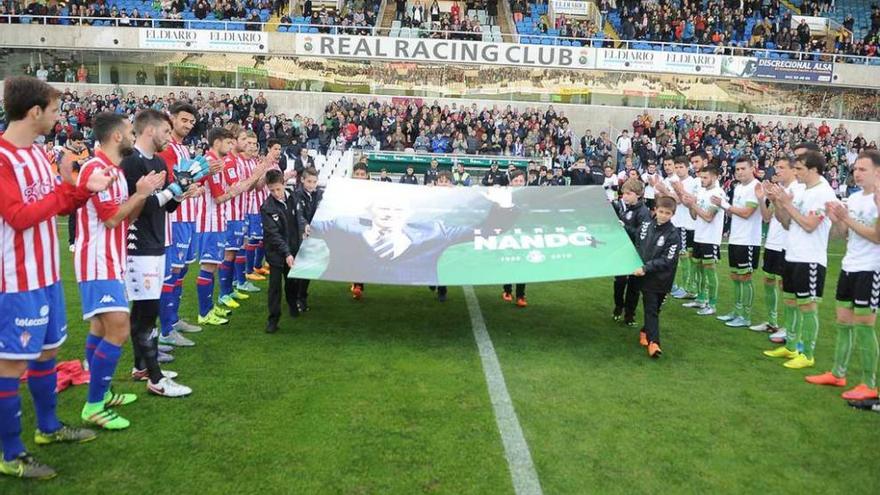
(710, 279)
(114, 328)
(652, 302)
(167, 333)
(771, 293)
(507, 293)
(185, 234)
(211, 254)
(748, 286)
(733, 258)
(867, 296)
(812, 280)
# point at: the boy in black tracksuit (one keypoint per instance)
(307, 197)
(281, 236)
(632, 213)
(658, 244)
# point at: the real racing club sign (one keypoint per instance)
(444, 51)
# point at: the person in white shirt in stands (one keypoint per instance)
(806, 257)
(744, 243)
(649, 178)
(858, 286)
(774, 256)
(708, 230)
(624, 147)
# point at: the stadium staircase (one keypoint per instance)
(505, 22)
(387, 13)
(611, 33)
(334, 164)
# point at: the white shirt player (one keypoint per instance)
(776, 233)
(810, 247)
(862, 255)
(693, 187)
(746, 231)
(709, 232)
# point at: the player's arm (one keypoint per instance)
(65, 199)
(843, 222)
(105, 205)
(707, 214)
(807, 222)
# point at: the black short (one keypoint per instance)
(689, 239)
(743, 257)
(804, 280)
(860, 288)
(706, 251)
(774, 262)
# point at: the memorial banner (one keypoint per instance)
(200, 40)
(379, 232)
(440, 51)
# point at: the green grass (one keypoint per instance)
(388, 396)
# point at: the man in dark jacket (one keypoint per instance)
(409, 177)
(307, 197)
(281, 236)
(494, 177)
(632, 213)
(658, 244)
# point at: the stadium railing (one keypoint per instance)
(533, 39)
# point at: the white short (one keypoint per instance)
(144, 276)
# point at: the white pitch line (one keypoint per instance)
(516, 450)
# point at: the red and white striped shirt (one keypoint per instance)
(210, 216)
(261, 193)
(100, 250)
(250, 195)
(233, 173)
(173, 154)
(30, 197)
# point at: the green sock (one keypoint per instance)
(696, 278)
(842, 349)
(737, 298)
(710, 278)
(866, 339)
(792, 325)
(770, 300)
(809, 331)
(682, 275)
(748, 298)
(699, 285)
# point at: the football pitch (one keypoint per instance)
(388, 396)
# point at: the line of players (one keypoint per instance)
(125, 244)
(801, 212)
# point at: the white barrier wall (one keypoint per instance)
(595, 117)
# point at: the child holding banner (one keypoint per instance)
(658, 243)
(443, 179)
(633, 214)
(517, 179)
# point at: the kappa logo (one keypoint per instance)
(107, 299)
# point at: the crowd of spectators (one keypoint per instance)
(460, 22)
(543, 134)
(756, 24)
(354, 17)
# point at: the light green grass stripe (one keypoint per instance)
(516, 450)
